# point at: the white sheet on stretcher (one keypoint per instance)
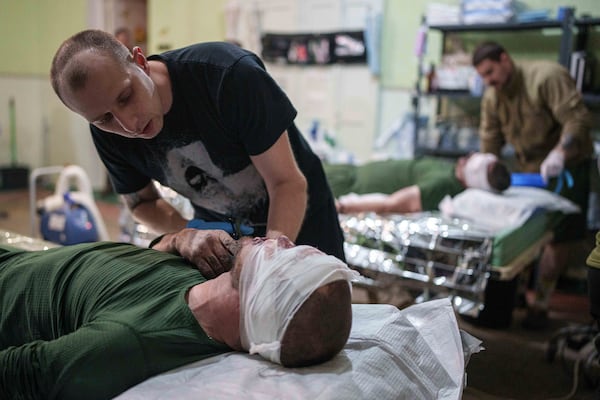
(416, 353)
(512, 208)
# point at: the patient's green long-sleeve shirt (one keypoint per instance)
(435, 178)
(91, 320)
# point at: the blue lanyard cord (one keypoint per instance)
(565, 175)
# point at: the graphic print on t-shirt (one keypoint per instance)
(191, 172)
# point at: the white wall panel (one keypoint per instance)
(278, 15)
(317, 97)
(354, 12)
(319, 15)
(343, 98)
(357, 105)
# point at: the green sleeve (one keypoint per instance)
(340, 177)
(98, 361)
(568, 108)
(434, 190)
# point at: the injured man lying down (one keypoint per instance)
(92, 320)
(406, 186)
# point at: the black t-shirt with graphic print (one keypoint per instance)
(225, 108)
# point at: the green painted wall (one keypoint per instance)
(32, 30)
(176, 23)
(402, 19)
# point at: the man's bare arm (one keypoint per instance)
(405, 200)
(150, 209)
(287, 188)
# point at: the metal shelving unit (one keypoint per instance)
(568, 25)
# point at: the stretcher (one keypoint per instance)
(432, 256)
(421, 348)
(24, 242)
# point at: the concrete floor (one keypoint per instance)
(512, 366)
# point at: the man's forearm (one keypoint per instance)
(576, 121)
(287, 207)
(574, 144)
(159, 216)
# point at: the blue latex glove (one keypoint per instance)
(229, 227)
(553, 165)
(564, 177)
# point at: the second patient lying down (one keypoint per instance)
(403, 186)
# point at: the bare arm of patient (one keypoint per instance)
(405, 200)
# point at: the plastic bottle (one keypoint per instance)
(314, 131)
(431, 79)
(317, 142)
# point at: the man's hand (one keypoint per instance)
(211, 251)
(553, 165)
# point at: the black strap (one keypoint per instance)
(156, 240)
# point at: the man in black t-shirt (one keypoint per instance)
(207, 121)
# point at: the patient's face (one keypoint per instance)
(270, 246)
(459, 170)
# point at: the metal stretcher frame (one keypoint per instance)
(385, 252)
(24, 242)
(381, 335)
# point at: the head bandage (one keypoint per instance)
(476, 170)
(274, 283)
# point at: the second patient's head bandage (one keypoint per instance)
(476, 170)
(274, 283)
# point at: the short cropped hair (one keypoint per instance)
(320, 328)
(499, 176)
(487, 51)
(65, 70)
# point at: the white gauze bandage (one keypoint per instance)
(476, 170)
(274, 283)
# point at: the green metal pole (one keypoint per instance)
(13, 131)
